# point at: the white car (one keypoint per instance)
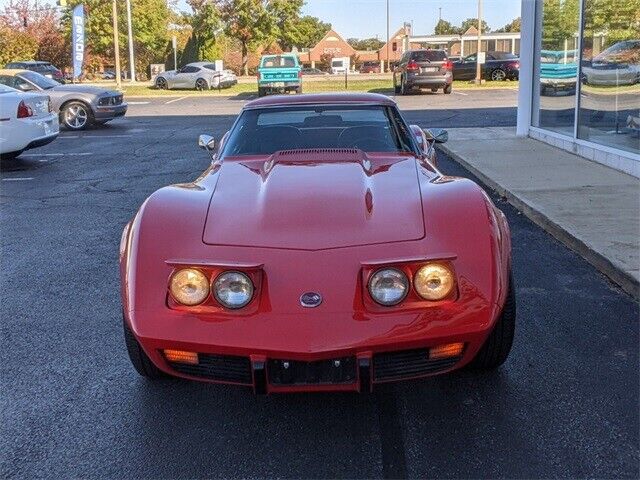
(26, 121)
(198, 75)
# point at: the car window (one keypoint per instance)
(265, 131)
(5, 88)
(210, 66)
(470, 58)
(429, 56)
(190, 69)
(279, 61)
(39, 80)
(8, 81)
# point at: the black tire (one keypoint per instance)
(496, 348)
(76, 115)
(434, 90)
(10, 155)
(448, 89)
(396, 88)
(299, 90)
(161, 83)
(201, 84)
(404, 90)
(139, 359)
(261, 92)
(498, 75)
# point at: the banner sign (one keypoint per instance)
(77, 39)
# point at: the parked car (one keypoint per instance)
(198, 75)
(498, 66)
(617, 65)
(26, 121)
(327, 280)
(43, 68)
(558, 71)
(227, 79)
(111, 75)
(313, 71)
(279, 74)
(370, 67)
(78, 106)
(423, 69)
(340, 65)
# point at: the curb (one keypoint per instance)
(618, 276)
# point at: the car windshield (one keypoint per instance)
(429, 56)
(39, 80)
(373, 128)
(279, 62)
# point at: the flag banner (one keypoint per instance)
(77, 39)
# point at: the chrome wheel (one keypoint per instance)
(76, 116)
(201, 84)
(161, 83)
(498, 75)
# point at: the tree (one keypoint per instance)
(365, 44)
(513, 26)
(206, 26)
(249, 22)
(285, 15)
(473, 22)
(310, 31)
(445, 28)
(16, 45)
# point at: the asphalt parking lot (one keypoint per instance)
(564, 405)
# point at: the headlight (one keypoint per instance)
(388, 286)
(233, 289)
(434, 281)
(189, 286)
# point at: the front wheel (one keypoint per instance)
(497, 346)
(139, 359)
(75, 116)
(201, 84)
(161, 84)
(498, 75)
(448, 89)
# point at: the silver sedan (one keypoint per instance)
(198, 75)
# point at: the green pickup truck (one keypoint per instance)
(279, 74)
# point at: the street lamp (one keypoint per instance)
(478, 78)
(132, 65)
(388, 67)
(116, 44)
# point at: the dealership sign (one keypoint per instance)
(77, 39)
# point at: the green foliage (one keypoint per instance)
(310, 31)
(559, 23)
(513, 26)
(365, 44)
(16, 45)
(445, 28)
(619, 20)
(473, 22)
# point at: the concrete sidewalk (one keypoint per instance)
(593, 209)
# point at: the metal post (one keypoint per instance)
(478, 64)
(132, 65)
(388, 67)
(174, 41)
(116, 45)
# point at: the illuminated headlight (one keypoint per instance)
(434, 281)
(189, 287)
(233, 289)
(388, 286)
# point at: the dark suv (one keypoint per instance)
(43, 68)
(423, 69)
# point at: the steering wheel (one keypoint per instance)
(371, 143)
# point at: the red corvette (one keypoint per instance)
(321, 250)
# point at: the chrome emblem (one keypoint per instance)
(310, 299)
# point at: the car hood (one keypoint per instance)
(87, 89)
(315, 199)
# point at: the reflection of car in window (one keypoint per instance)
(617, 65)
(558, 70)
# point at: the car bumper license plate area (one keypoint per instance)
(322, 372)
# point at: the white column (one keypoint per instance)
(526, 86)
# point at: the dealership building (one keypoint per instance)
(580, 85)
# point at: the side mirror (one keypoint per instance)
(438, 135)
(207, 142)
(25, 87)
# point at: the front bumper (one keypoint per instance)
(109, 112)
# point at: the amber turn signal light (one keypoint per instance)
(180, 356)
(447, 350)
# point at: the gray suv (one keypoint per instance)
(428, 68)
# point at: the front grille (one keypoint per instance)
(112, 100)
(322, 372)
(223, 368)
(408, 363)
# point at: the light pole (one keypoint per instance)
(388, 67)
(478, 64)
(116, 44)
(132, 65)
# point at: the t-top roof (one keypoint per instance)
(320, 98)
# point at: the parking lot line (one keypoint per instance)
(17, 179)
(56, 154)
(138, 103)
(460, 93)
(97, 136)
(174, 100)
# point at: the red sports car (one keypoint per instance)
(321, 250)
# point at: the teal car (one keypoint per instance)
(558, 70)
(279, 74)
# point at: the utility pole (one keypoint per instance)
(478, 64)
(116, 45)
(132, 65)
(388, 39)
(440, 14)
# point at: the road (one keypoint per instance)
(564, 405)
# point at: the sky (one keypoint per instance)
(367, 18)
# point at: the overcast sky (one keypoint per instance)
(368, 18)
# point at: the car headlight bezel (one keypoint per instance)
(434, 281)
(215, 289)
(399, 275)
(198, 279)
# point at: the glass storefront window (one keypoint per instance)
(609, 112)
(558, 28)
